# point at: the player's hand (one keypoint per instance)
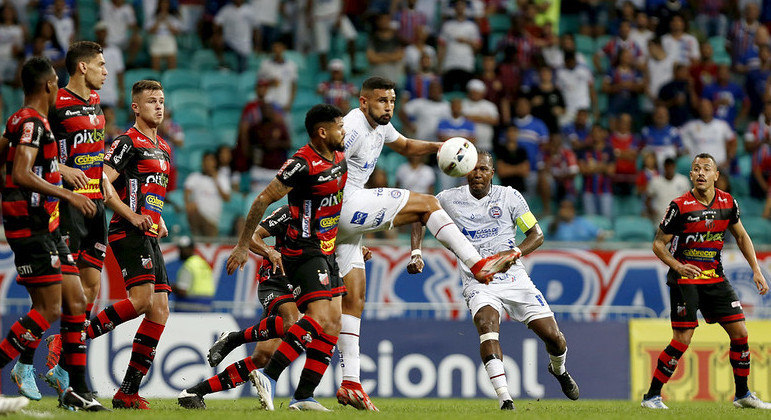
(74, 176)
(415, 265)
(688, 271)
(108, 191)
(237, 259)
(366, 253)
(275, 259)
(163, 231)
(142, 222)
(760, 283)
(83, 204)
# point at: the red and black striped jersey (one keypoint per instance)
(144, 167)
(699, 234)
(276, 225)
(25, 212)
(78, 126)
(314, 201)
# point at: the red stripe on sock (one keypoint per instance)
(660, 376)
(75, 359)
(89, 307)
(279, 326)
(8, 349)
(39, 320)
(235, 377)
(250, 364)
(150, 328)
(678, 346)
(315, 366)
(142, 369)
(741, 372)
(287, 351)
(142, 349)
(740, 341)
(125, 310)
(249, 334)
(214, 384)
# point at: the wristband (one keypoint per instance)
(518, 251)
(417, 252)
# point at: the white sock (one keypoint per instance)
(497, 376)
(445, 231)
(558, 362)
(348, 347)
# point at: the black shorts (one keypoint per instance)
(141, 261)
(87, 238)
(717, 302)
(313, 278)
(42, 259)
(273, 291)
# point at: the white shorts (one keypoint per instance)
(523, 302)
(365, 210)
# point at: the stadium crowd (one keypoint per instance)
(593, 108)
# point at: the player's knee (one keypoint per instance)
(49, 310)
(260, 358)
(142, 304)
(353, 304)
(76, 303)
(289, 320)
(160, 311)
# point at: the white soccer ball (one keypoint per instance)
(457, 156)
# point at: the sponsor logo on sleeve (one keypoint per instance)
(359, 218)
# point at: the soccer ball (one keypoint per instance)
(457, 157)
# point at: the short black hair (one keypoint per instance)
(484, 153)
(81, 51)
(570, 55)
(35, 72)
(377, 82)
(704, 156)
(670, 161)
(319, 114)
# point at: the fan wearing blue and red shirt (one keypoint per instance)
(690, 240)
(314, 179)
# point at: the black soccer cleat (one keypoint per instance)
(191, 401)
(508, 405)
(85, 401)
(569, 386)
(221, 348)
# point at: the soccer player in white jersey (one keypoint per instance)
(367, 129)
(489, 216)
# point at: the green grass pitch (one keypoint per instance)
(418, 409)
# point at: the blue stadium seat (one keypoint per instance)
(305, 99)
(684, 165)
(221, 99)
(227, 136)
(246, 82)
(13, 99)
(176, 220)
(230, 211)
(745, 164)
(211, 80)
(88, 16)
(132, 76)
(634, 229)
(499, 22)
(205, 59)
(601, 222)
(183, 99)
(600, 42)
(630, 206)
(225, 119)
(569, 24)
(299, 58)
(192, 118)
(254, 62)
(180, 79)
(740, 186)
(189, 158)
(758, 228)
(751, 207)
(585, 45)
(199, 139)
(176, 198)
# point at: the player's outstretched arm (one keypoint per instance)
(259, 247)
(660, 249)
(272, 193)
(412, 147)
(748, 250)
(416, 241)
(142, 222)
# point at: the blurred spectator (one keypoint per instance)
(12, 37)
(641, 33)
(546, 100)
(416, 176)
(613, 48)
(268, 17)
(596, 162)
(509, 77)
(741, 36)
(680, 45)
(459, 40)
(112, 92)
(122, 29)
(483, 113)
(417, 84)
(576, 83)
(328, 19)
(421, 116)
(566, 226)
(281, 75)
(204, 195)
(163, 27)
(727, 97)
(517, 45)
(384, 52)
(664, 11)
(678, 96)
(648, 170)
(269, 139)
(623, 85)
(555, 54)
(577, 132)
(64, 24)
(659, 70)
(412, 22)
(710, 135)
(194, 289)
(661, 138)
(44, 44)
(624, 145)
(533, 133)
(664, 188)
(111, 128)
(493, 84)
(234, 30)
(225, 173)
(454, 125)
(416, 50)
(593, 17)
(711, 18)
(512, 163)
(557, 177)
(337, 91)
(755, 82)
(704, 72)
(251, 117)
(756, 141)
(191, 13)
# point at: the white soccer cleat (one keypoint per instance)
(655, 403)
(307, 404)
(751, 401)
(265, 386)
(12, 404)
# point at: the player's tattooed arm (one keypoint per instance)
(416, 263)
(660, 243)
(744, 243)
(272, 193)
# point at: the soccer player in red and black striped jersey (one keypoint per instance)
(31, 194)
(138, 165)
(690, 240)
(313, 178)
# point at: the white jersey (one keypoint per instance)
(363, 145)
(490, 224)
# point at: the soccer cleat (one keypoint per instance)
(12, 404)
(508, 405)
(54, 343)
(266, 388)
(81, 401)
(58, 379)
(191, 401)
(129, 401)
(655, 402)
(307, 404)
(221, 348)
(569, 386)
(750, 400)
(23, 376)
(487, 267)
(351, 393)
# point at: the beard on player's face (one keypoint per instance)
(382, 119)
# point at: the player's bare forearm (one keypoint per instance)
(533, 240)
(412, 147)
(417, 234)
(660, 249)
(118, 206)
(258, 245)
(272, 193)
